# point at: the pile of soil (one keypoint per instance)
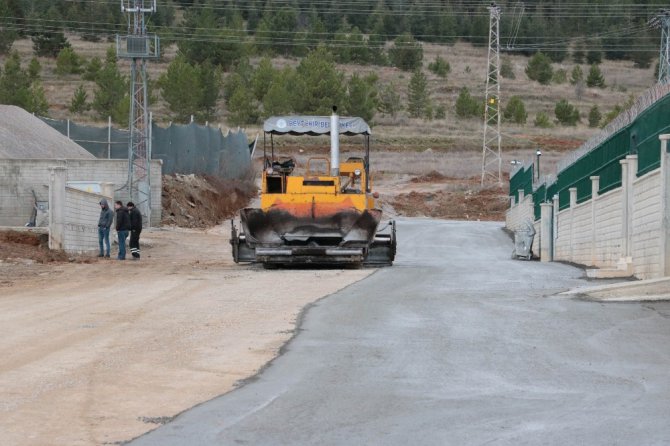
(487, 204)
(431, 177)
(28, 247)
(192, 201)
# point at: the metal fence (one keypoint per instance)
(522, 179)
(635, 131)
(184, 149)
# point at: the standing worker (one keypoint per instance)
(122, 228)
(135, 229)
(104, 223)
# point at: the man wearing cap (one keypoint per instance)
(104, 223)
(135, 229)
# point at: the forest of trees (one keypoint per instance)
(215, 40)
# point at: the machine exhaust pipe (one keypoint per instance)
(334, 143)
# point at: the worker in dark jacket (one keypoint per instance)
(122, 227)
(104, 223)
(135, 229)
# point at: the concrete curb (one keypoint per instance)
(637, 291)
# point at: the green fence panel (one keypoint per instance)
(645, 130)
(522, 180)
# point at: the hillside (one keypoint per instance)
(468, 64)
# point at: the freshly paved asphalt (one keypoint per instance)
(456, 344)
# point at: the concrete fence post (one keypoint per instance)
(555, 225)
(57, 182)
(624, 207)
(512, 201)
(665, 206)
(595, 187)
(521, 195)
(546, 232)
(630, 202)
(573, 203)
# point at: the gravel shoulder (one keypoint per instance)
(98, 353)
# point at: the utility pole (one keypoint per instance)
(491, 149)
(662, 20)
(138, 47)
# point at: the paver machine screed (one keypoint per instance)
(324, 217)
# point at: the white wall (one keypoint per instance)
(19, 177)
(81, 221)
(517, 215)
(608, 228)
(646, 231)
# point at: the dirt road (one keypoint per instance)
(99, 353)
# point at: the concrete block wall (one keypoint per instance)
(562, 241)
(581, 234)
(517, 215)
(646, 231)
(608, 223)
(80, 229)
(19, 177)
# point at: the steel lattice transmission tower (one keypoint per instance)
(662, 20)
(138, 46)
(491, 150)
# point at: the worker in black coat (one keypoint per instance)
(135, 229)
(122, 227)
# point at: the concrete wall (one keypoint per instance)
(625, 231)
(19, 177)
(608, 230)
(646, 230)
(80, 229)
(519, 213)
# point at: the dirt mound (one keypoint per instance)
(431, 177)
(28, 247)
(192, 201)
(471, 204)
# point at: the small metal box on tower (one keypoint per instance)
(138, 47)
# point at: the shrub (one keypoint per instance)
(406, 53)
(515, 111)
(594, 117)
(560, 76)
(467, 106)
(68, 62)
(539, 69)
(440, 112)
(542, 121)
(440, 67)
(566, 113)
(576, 75)
(506, 69)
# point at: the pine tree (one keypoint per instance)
(363, 98)
(594, 117)
(440, 67)
(566, 113)
(406, 53)
(181, 90)
(515, 111)
(49, 44)
(320, 84)
(539, 69)
(577, 75)
(389, 100)
(467, 106)
(595, 77)
(111, 92)
(92, 69)
(34, 69)
(68, 62)
(78, 103)
(418, 99)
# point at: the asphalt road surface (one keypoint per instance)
(454, 345)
